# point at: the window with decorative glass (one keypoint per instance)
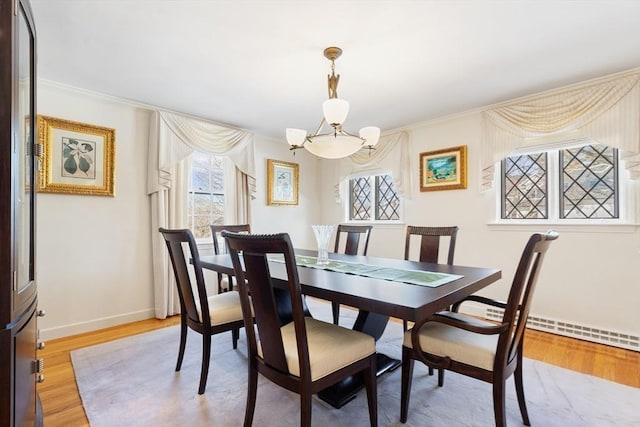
(579, 183)
(373, 198)
(206, 195)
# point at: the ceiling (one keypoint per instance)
(258, 65)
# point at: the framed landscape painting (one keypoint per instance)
(282, 183)
(77, 158)
(444, 169)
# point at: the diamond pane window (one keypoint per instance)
(360, 198)
(524, 187)
(205, 199)
(589, 182)
(387, 201)
(373, 198)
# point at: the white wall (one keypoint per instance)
(589, 278)
(94, 253)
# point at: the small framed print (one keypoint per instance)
(444, 169)
(77, 158)
(282, 183)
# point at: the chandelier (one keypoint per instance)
(336, 143)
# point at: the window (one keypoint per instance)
(373, 198)
(205, 200)
(578, 183)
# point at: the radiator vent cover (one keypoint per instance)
(574, 330)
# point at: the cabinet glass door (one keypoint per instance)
(23, 158)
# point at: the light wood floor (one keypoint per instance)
(62, 406)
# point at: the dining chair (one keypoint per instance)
(223, 279)
(487, 351)
(199, 312)
(429, 245)
(304, 355)
(357, 237)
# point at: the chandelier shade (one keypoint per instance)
(330, 146)
(336, 143)
(335, 111)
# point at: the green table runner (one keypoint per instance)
(414, 277)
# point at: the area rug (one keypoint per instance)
(132, 382)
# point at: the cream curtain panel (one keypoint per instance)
(390, 156)
(606, 110)
(172, 138)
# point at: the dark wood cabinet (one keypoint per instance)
(20, 369)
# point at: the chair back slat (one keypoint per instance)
(525, 279)
(355, 233)
(254, 278)
(430, 242)
(265, 310)
(176, 241)
(217, 229)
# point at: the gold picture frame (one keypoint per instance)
(77, 158)
(282, 183)
(444, 169)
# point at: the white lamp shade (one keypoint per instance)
(371, 134)
(335, 111)
(332, 146)
(296, 136)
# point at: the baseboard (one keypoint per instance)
(575, 330)
(94, 324)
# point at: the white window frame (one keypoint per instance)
(372, 220)
(627, 196)
(205, 242)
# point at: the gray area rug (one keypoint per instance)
(132, 382)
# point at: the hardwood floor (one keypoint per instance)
(62, 406)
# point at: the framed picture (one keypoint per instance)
(444, 169)
(77, 158)
(282, 183)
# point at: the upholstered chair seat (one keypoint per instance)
(331, 347)
(223, 308)
(464, 346)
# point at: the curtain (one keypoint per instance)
(172, 138)
(391, 155)
(606, 110)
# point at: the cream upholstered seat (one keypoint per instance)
(459, 344)
(223, 308)
(297, 352)
(330, 348)
(202, 314)
(487, 351)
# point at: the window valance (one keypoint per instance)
(173, 137)
(606, 110)
(391, 156)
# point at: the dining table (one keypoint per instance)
(378, 287)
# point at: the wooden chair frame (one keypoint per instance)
(188, 308)
(354, 234)
(510, 331)
(215, 231)
(254, 278)
(430, 245)
(430, 242)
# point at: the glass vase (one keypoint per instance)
(323, 235)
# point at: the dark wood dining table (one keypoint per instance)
(376, 299)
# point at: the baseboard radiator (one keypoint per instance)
(575, 330)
